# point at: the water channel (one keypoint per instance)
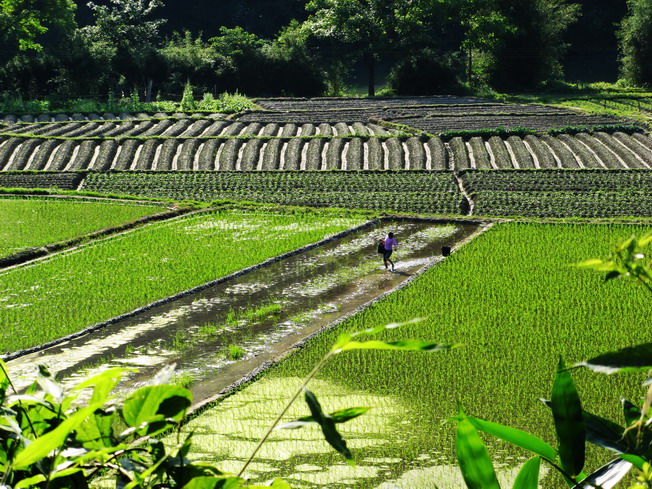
(218, 336)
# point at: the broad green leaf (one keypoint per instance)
(516, 437)
(404, 345)
(104, 383)
(528, 476)
(43, 445)
(340, 416)
(95, 432)
(630, 359)
(604, 433)
(148, 404)
(49, 384)
(472, 455)
(569, 423)
(215, 483)
(606, 476)
(635, 460)
(327, 425)
(30, 482)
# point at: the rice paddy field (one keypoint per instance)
(70, 291)
(28, 223)
(513, 298)
(510, 294)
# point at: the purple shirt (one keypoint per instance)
(390, 243)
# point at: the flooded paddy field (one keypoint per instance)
(219, 335)
(515, 302)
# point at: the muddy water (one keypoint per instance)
(220, 334)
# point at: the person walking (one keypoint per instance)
(390, 245)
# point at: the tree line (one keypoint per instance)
(126, 47)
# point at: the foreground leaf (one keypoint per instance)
(569, 423)
(606, 476)
(149, 404)
(472, 455)
(404, 345)
(629, 359)
(340, 416)
(327, 425)
(528, 476)
(43, 445)
(516, 437)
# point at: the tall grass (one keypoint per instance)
(74, 290)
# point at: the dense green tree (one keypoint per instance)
(128, 29)
(190, 59)
(24, 21)
(367, 29)
(636, 43)
(485, 26)
(531, 54)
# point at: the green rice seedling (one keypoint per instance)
(29, 223)
(184, 380)
(262, 312)
(236, 352)
(515, 300)
(73, 290)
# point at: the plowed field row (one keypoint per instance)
(561, 193)
(535, 193)
(319, 151)
(436, 124)
(396, 191)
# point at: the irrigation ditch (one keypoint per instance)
(223, 334)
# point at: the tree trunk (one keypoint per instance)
(148, 90)
(370, 61)
(470, 73)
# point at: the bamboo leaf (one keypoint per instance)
(635, 460)
(607, 476)
(327, 425)
(340, 416)
(472, 455)
(516, 437)
(629, 359)
(528, 476)
(569, 423)
(404, 345)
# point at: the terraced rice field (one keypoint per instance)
(29, 223)
(560, 193)
(70, 291)
(420, 192)
(511, 297)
